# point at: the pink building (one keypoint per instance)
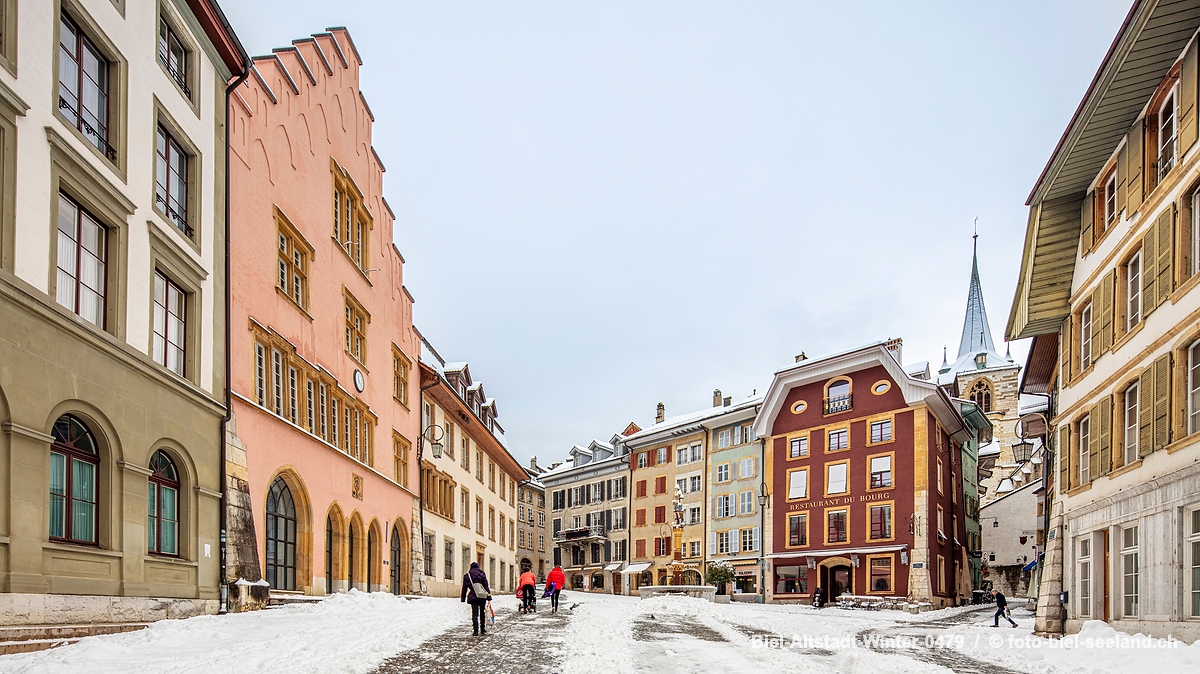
(322, 345)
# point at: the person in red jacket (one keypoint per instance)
(525, 590)
(555, 580)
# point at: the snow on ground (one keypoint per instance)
(351, 633)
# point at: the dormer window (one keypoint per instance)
(1167, 141)
(837, 396)
(981, 361)
(1110, 199)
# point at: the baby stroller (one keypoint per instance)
(528, 599)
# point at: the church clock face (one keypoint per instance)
(360, 382)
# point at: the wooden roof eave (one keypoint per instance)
(1042, 299)
(439, 389)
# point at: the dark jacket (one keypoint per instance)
(1001, 601)
(475, 575)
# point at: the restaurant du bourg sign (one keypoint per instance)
(842, 500)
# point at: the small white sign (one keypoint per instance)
(207, 550)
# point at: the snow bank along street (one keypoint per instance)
(360, 633)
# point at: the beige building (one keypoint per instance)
(1107, 289)
(469, 493)
(112, 307)
(533, 540)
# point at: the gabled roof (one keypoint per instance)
(821, 369)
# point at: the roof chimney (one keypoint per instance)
(801, 357)
(660, 414)
(728, 401)
(716, 397)
(896, 346)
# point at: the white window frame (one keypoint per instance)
(725, 506)
(1110, 200)
(887, 472)
(844, 481)
(724, 438)
(1084, 565)
(697, 453)
(1133, 291)
(661, 457)
(1132, 401)
(745, 462)
(723, 470)
(1130, 573)
(1173, 139)
(795, 485)
(746, 503)
(1085, 337)
(1084, 437)
(722, 542)
(1192, 575)
(1194, 387)
(1195, 225)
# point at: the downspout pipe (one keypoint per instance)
(224, 545)
(420, 478)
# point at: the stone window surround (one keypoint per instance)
(167, 257)
(8, 27)
(118, 92)
(11, 107)
(183, 30)
(71, 173)
(195, 168)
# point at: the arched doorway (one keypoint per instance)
(335, 527)
(350, 557)
(281, 537)
(836, 577)
(399, 560)
(598, 581)
(691, 577)
(372, 556)
(526, 564)
(577, 581)
(645, 578)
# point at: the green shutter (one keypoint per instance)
(1106, 437)
(1162, 401)
(1149, 270)
(1064, 458)
(1187, 100)
(1146, 411)
(1133, 169)
(1103, 328)
(1164, 237)
(1087, 220)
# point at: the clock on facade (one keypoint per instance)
(360, 382)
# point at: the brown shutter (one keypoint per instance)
(1064, 351)
(1064, 458)
(1133, 169)
(1162, 401)
(1149, 270)
(1103, 332)
(1095, 430)
(1094, 300)
(1146, 411)
(1122, 157)
(1165, 283)
(1187, 100)
(1087, 219)
(1106, 437)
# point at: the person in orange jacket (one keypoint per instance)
(555, 580)
(525, 590)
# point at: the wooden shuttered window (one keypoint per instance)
(1087, 217)
(1162, 401)
(1102, 462)
(1095, 430)
(1149, 270)
(1103, 311)
(1133, 167)
(1064, 353)
(1145, 411)
(1122, 171)
(1187, 100)
(1064, 458)
(1164, 277)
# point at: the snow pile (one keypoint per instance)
(348, 632)
(598, 635)
(1096, 648)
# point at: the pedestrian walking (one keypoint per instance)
(1001, 609)
(525, 590)
(819, 598)
(477, 593)
(555, 580)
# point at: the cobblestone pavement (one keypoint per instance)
(922, 643)
(516, 644)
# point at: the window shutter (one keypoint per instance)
(1064, 350)
(1094, 300)
(669, 450)
(712, 541)
(1187, 100)
(1166, 252)
(652, 457)
(570, 493)
(1122, 157)
(1064, 458)
(1146, 411)
(1106, 423)
(1104, 334)
(1087, 220)
(1133, 168)
(1162, 401)
(1149, 270)
(1095, 430)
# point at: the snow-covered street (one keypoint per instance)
(359, 633)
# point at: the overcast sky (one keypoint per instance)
(604, 205)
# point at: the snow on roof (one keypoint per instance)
(1027, 403)
(918, 366)
(694, 417)
(455, 366)
(990, 448)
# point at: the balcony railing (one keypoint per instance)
(1166, 157)
(175, 74)
(580, 533)
(841, 403)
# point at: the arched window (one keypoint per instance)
(162, 522)
(981, 394)
(837, 396)
(281, 537)
(74, 468)
(350, 566)
(329, 553)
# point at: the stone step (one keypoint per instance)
(29, 638)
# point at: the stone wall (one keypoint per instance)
(241, 548)
(69, 609)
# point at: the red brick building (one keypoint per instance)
(863, 466)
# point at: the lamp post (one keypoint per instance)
(432, 434)
(677, 540)
(763, 499)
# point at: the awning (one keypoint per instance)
(1029, 566)
(637, 568)
(840, 553)
(614, 566)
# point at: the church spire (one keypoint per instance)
(976, 333)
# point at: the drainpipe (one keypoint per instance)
(420, 480)
(223, 546)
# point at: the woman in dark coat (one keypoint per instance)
(478, 604)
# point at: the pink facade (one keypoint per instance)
(318, 300)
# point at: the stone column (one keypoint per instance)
(241, 547)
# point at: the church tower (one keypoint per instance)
(981, 374)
